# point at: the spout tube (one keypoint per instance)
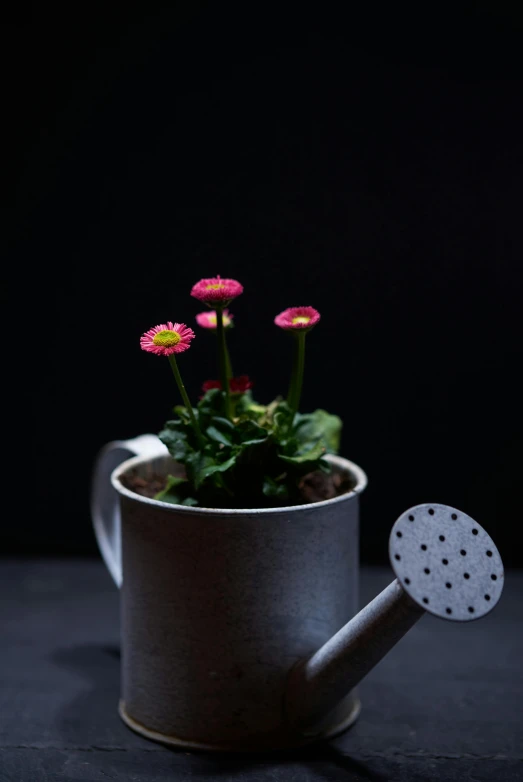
(317, 684)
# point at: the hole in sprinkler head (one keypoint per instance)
(427, 571)
(448, 585)
(442, 538)
(493, 577)
(474, 532)
(431, 511)
(407, 580)
(454, 516)
(423, 547)
(398, 534)
(445, 561)
(489, 553)
(471, 610)
(487, 597)
(397, 556)
(411, 517)
(466, 575)
(463, 552)
(425, 600)
(448, 610)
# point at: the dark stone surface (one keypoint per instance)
(445, 704)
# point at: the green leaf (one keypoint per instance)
(212, 468)
(246, 406)
(273, 489)
(319, 425)
(251, 432)
(175, 425)
(176, 442)
(290, 446)
(183, 413)
(214, 434)
(256, 454)
(255, 441)
(240, 457)
(196, 462)
(221, 430)
(282, 418)
(211, 402)
(272, 408)
(311, 455)
(223, 423)
(168, 493)
(189, 501)
(174, 480)
(325, 466)
(201, 466)
(174, 499)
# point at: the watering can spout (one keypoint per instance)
(445, 564)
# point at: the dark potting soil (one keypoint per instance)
(314, 487)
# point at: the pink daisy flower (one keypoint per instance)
(167, 338)
(297, 318)
(210, 384)
(216, 290)
(238, 385)
(207, 320)
(241, 384)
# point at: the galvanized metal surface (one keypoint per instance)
(315, 684)
(446, 562)
(449, 566)
(230, 618)
(217, 605)
(279, 740)
(105, 502)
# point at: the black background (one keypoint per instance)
(367, 163)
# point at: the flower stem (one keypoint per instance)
(293, 398)
(227, 356)
(228, 361)
(186, 400)
(223, 363)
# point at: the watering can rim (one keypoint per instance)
(345, 464)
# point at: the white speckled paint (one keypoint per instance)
(218, 605)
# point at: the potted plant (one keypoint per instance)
(235, 541)
(235, 451)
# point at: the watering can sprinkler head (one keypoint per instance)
(445, 564)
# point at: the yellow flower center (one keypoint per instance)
(166, 338)
(214, 286)
(300, 319)
(213, 320)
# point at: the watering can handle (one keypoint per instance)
(105, 504)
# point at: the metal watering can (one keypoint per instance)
(240, 628)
